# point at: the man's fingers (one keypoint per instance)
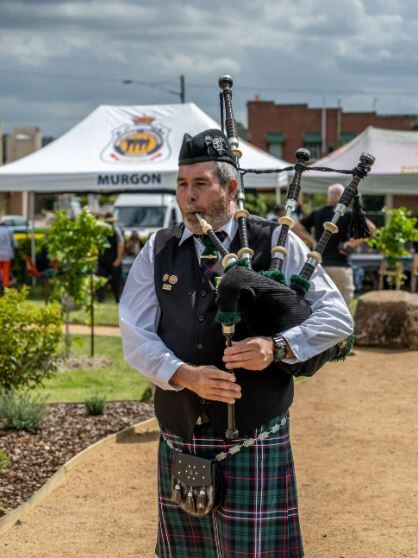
(250, 364)
(220, 388)
(234, 352)
(223, 396)
(221, 375)
(234, 390)
(216, 392)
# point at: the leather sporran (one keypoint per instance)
(197, 483)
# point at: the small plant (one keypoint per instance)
(392, 240)
(4, 461)
(95, 405)
(22, 411)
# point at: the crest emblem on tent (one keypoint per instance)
(143, 140)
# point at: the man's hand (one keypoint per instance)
(208, 382)
(253, 353)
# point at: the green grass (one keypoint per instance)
(117, 382)
(105, 313)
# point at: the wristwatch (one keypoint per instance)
(280, 348)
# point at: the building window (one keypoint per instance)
(313, 142)
(275, 141)
(345, 137)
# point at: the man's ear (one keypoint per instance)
(232, 189)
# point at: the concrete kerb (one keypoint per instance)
(60, 475)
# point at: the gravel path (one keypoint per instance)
(107, 331)
(354, 430)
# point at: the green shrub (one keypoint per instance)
(147, 394)
(4, 460)
(29, 340)
(400, 229)
(95, 405)
(22, 411)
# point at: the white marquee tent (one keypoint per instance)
(125, 148)
(394, 172)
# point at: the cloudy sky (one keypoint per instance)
(60, 59)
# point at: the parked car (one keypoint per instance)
(146, 213)
(16, 223)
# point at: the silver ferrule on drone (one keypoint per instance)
(339, 211)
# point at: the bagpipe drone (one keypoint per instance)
(262, 300)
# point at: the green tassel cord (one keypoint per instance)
(345, 349)
(299, 284)
(228, 317)
(275, 275)
(242, 262)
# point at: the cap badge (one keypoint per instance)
(218, 144)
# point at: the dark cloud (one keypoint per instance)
(309, 51)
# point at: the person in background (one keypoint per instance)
(7, 250)
(42, 261)
(335, 258)
(109, 263)
(133, 245)
(279, 211)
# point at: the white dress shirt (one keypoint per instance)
(139, 311)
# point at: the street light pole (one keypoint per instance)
(181, 94)
(182, 89)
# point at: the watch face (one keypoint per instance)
(280, 348)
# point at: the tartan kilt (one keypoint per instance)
(259, 517)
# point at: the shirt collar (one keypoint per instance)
(230, 228)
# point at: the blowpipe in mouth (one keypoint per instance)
(203, 223)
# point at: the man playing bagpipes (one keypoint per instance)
(220, 497)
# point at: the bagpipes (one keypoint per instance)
(262, 300)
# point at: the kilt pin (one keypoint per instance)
(259, 517)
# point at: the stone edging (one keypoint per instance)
(60, 475)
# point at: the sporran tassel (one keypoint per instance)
(201, 500)
(358, 227)
(190, 502)
(176, 495)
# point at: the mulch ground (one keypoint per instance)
(354, 428)
(67, 430)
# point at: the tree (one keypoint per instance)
(75, 245)
(256, 204)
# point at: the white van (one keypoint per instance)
(146, 213)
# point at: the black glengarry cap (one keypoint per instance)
(209, 145)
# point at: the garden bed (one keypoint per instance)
(66, 431)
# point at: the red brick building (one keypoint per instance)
(281, 129)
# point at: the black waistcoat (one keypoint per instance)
(187, 326)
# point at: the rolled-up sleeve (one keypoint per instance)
(330, 321)
(139, 314)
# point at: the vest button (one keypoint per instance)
(201, 318)
(203, 293)
(203, 401)
(200, 345)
